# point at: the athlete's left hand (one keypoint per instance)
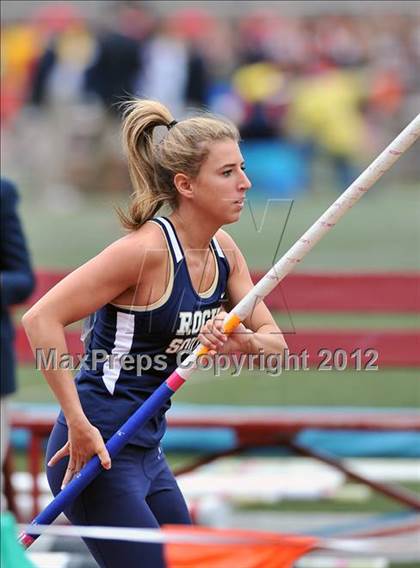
(212, 337)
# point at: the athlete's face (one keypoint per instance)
(221, 185)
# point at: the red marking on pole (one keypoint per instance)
(175, 381)
(26, 540)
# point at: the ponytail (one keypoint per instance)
(141, 117)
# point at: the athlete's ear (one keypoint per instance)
(183, 185)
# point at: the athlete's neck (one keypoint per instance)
(195, 234)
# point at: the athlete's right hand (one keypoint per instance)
(84, 442)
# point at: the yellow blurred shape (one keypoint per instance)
(257, 82)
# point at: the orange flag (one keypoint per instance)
(216, 548)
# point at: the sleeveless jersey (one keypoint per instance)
(131, 350)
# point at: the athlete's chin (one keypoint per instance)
(232, 217)
(225, 217)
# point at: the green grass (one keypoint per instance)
(415, 565)
(382, 388)
(66, 239)
(375, 503)
(397, 388)
(347, 321)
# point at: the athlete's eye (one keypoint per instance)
(227, 173)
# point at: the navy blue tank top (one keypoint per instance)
(131, 350)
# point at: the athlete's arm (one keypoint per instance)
(259, 332)
(81, 293)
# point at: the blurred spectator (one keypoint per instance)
(257, 79)
(60, 75)
(259, 86)
(174, 70)
(21, 47)
(112, 76)
(17, 283)
(326, 118)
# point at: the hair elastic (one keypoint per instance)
(171, 124)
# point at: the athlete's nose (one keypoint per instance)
(245, 183)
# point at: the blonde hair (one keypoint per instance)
(153, 165)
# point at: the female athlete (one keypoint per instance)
(154, 294)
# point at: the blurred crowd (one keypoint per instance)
(326, 84)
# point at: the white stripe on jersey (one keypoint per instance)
(122, 346)
(173, 239)
(218, 248)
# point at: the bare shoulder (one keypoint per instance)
(148, 235)
(230, 248)
(225, 240)
(152, 241)
(147, 243)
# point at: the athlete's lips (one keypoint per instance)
(239, 201)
